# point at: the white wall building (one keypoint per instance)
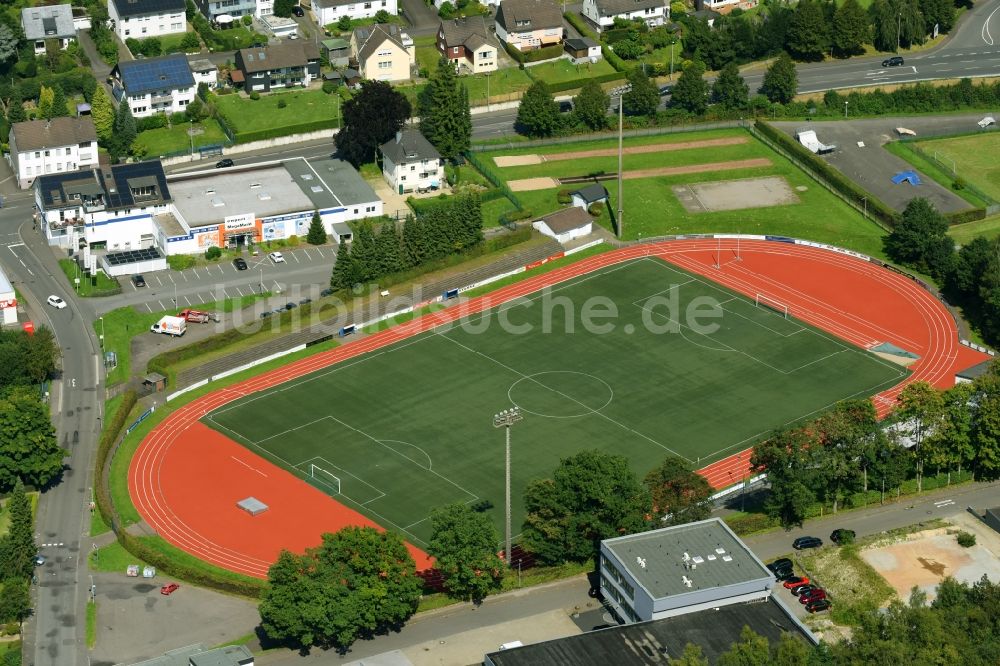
(8, 301)
(566, 224)
(602, 13)
(54, 22)
(154, 85)
(330, 11)
(410, 162)
(39, 147)
(139, 19)
(204, 71)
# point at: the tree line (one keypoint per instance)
(446, 227)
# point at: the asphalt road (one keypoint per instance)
(56, 632)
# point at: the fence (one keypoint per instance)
(992, 206)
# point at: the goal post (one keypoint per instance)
(763, 301)
(320, 475)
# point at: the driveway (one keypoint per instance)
(423, 18)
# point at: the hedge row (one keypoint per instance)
(274, 132)
(581, 26)
(544, 53)
(109, 435)
(828, 174)
(962, 216)
(578, 83)
(476, 161)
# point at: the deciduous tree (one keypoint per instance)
(921, 409)
(103, 114)
(808, 35)
(370, 118)
(538, 114)
(691, 91)
(28, 448)
(283, 8)
(780, 80)
(729, 89)
(591, 496)
(751, 650)
(692, 656)
(678, 494)
(851, 29)
(920, 239)
(591, 105)
(643, 98)
(443, 107)
(464, 544)
(357, 583)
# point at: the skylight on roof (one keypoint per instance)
(316, 188)
(218, 202)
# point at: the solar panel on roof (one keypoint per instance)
(152, 74)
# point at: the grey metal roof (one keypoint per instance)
(616, 7)
(345, 181)
(459, 31)
(715, 558)
(592, 193)
(409, 145)
(567, 219)
(201, 65)
(977, 370)
(277, 56)
(580, 43)
(530, 14)
(231, 655)
(140, 7)
(370, 37)
(48, 22)
(652, 643)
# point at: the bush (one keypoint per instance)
(179, 118)
(190, 42)
(344, 23)
(213, 253)
(255, 95)
(966, 539)
(282, 103)
(180, 262)
(155, 121)
(247, 20)
(749, 523)
(14, 628)
(958, 184)
(596, 209)
(563, 196)
(329, 86)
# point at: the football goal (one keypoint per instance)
(762, 301)
(320, 475)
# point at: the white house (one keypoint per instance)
(602, 13)
(566, 224)
(54, 22)
(467, 43)
(204, 71)
(280, 26)
(529, 24)
(410, 162)
(8, 301)
(39, 147)
(154, 85)
(585, 196)
(139, 19)
(330, 11)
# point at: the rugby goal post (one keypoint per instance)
(762, 301)
(317, 473)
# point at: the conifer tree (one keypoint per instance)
(444, 113)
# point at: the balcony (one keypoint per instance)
(167, 99)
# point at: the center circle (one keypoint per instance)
(561, 394)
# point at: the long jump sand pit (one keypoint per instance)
(530, 184)
(544, 183)
(735, 194)
(526, 160)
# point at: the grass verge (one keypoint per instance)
(942, 177)
(853, 585)
(99, 285)
(963, 234)
(91, 624)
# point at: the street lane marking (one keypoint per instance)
(238, 291)
(985, 32)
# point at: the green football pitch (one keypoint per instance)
(397, 432)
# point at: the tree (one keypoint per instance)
(46, 96)
(8, 43)
(843, 433)
(808, 32)
(28, 448)
(59, 108)
(317, 232)
(18, 547)
(344, 276)
(785, 458)
(443, 107)
(971, 265)
(951, 445)
(692, 656)
(896, 23)
(15, 107)
(464, 543)
(780, 80)
(370, 118)
(751, 650)
(591, 105)
(538, 114)
(921, 408)
(102, 111)
(920, 239)
(283, 8)
(591, 496)
(986, 428)
(125, 131)
(791, 651)
(939, 12)
(729, 89)
(691, 91)
(355, 584)
(851, 29)
(678, 494)
(642, 98)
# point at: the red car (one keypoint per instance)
(169, 588)
(813, 595)
(795, 581)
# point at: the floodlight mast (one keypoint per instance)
(506, 419)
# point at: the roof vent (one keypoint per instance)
(697, 559)
(210, 191)
(254, 186)
(687, 581)
(727, 558)
(641, 562)
(711, 558)
(720, 551)
(218, 202)
(263, 196)
(306, 176)
(316, 188)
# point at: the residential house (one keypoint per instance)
(410, 162)
(154, 85)
(212, 9)
(707, 11)
(39, 147)
(383, 52)
(337, 51)
(279, 66)
(139, 19)
(331, 11)
(529, 24)
(8, 301)
(53, 22)
(582, 49)
(467, 44)
(279, 26)
(719, 6)
(590, 194)
(204, 71)
(602, 13)
(566, 224)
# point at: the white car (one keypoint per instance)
(277, 257)
(56, 302)
(987, 121)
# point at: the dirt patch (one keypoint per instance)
(653, 148)
(517, 160)
(927, 557)
(529, 184)
(735, 194)
(904, 361)
(699, 168)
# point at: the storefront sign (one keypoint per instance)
(239, 221)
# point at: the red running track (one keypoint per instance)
(185, 478)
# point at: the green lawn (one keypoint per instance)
(652, 209)
(301, 106)
(113, 558)
(176, 140)
(973, 158)
(965, 233)
(402, 431)
(502, 83)
(492, 210)
(172, 43)
(99, 285)
(564, 70)
(942, 176)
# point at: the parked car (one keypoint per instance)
(39, 560)
(223, 164)
(666, 90)
(818, 605)
(326, 292)
(842, 535)
(240, 264)
(138, 281)
(298, 11)
(265, 315)
(894, 61)
(289, 306)
(807, 542)
(169, 588)
(277, 257)
(812, 595)
(806, 589)
(56, 302)
(795, 581)
(305, 300)
(565, 106)
(783, 563)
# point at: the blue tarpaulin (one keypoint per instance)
(904, 176)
